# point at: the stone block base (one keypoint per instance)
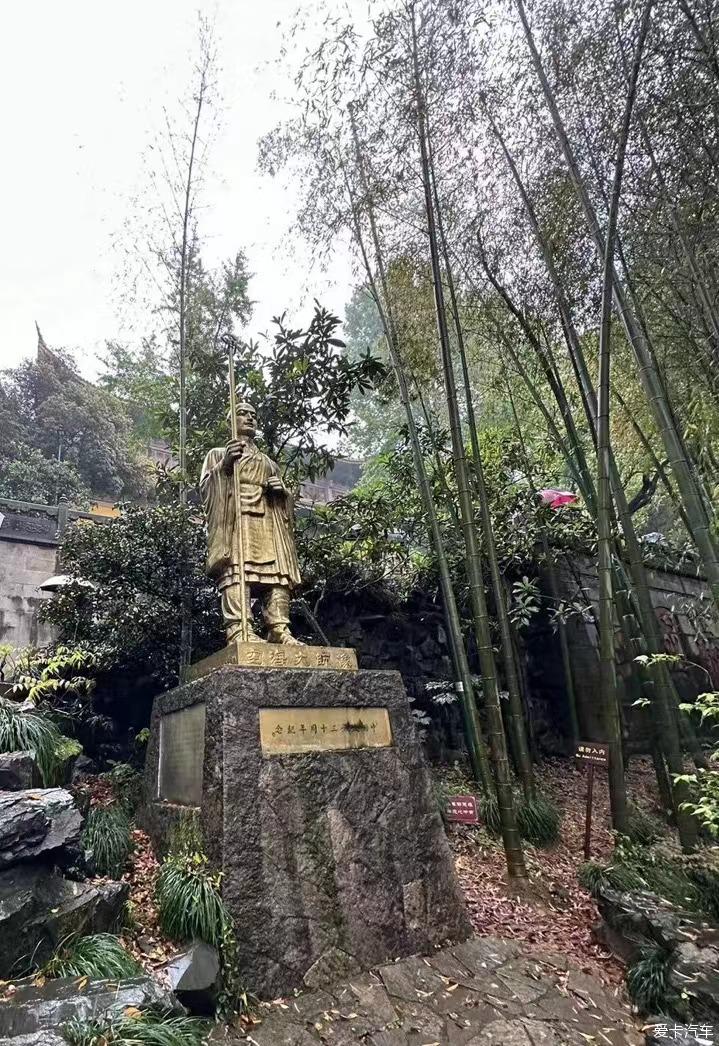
(333, 852)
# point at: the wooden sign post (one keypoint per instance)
(591, 754)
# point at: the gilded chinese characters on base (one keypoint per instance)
(285, 731)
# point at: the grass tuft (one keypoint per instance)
(25, 731)
(185, 836)
(539, 820)
(107, 834)
(188, 900)
(643, 828)
(647, 981)
(98, 955)
(145, 1028)
(489, 812)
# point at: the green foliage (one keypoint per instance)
(539, 820)
(704, 784)
(188, 899)
(185, 836)
(24, 731)
(136, 1028)
(45, 675)
(642, 827)
(634, 867)
(82, 433)
(27, 475)
(593, 876)
(97, 955)
(647, 980)
(126, 783)
(107, 834)
(302, 387)
(142, 565)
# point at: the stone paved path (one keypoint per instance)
(485, 992)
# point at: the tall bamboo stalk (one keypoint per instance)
(464, 684)
(498, 743)
(649, 374)
(518, 731)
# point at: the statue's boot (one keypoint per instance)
(281, 634)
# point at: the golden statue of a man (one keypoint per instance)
(268, 545)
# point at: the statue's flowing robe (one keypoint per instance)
(267, 521)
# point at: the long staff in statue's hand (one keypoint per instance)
(238, 550)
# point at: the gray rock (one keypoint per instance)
(38, 1038)
(694, 976)
(18, 770)
(332, 860)
(38, 909)
(37, 821)
(38, 1008)
(194, 969)
(638, 918)
(195, 977)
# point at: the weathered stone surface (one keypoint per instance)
(38, 909)
(694, 976)
(38, 1008)
(332, 861)
(18, 770)
(39, 1038)
(194, 976)
(37, 821)
(638, 918)
(414, 1003)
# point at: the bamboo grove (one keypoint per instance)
(550, 170)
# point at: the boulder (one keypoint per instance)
(638, 919)
(18, 770)
(694, 976)
(194, 976)
(38, 909)
(47, 1007)
(37, 821)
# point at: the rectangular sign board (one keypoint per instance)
(182, 754)
(592, 752)
(287, 731)
(462, 809)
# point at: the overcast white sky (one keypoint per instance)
(84, 83)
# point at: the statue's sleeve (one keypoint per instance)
(213, 490)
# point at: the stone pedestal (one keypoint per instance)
(317, 806)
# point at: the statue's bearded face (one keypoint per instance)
(246, 419)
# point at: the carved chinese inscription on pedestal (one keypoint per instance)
(284, 731)
(182, 752)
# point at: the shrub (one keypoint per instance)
(593, 876)
(643, 828)
(107, 834)
(538, 820)
(25, 731)
(185, 836)
(98, 955)
(647, 981)
(136, 1028)
(188, 899)
(126, 784)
